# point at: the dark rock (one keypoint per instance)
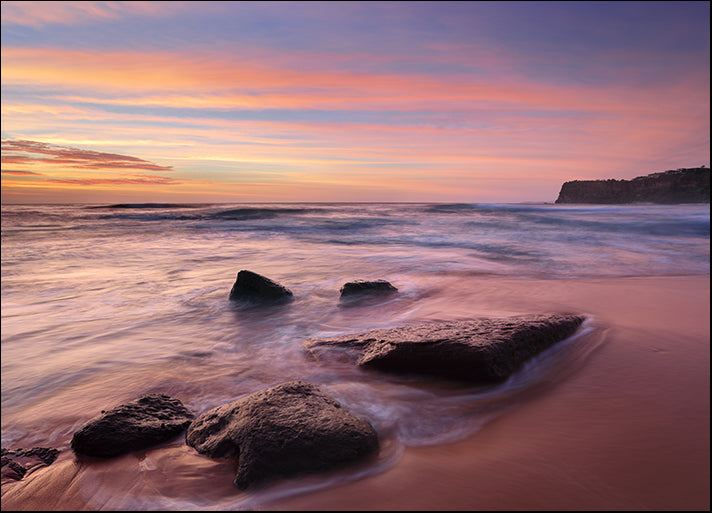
(134, 426)
(689, 185)
(18, 462)
(361, 288)
(484, 350)
(283, 431)
(255, 287)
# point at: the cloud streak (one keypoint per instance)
(40, 13)
(290, 81)
(18, 172)
(24, 152)
(137, 180)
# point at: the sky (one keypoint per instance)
(248, 102)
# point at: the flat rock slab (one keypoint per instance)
(17, 463)
(283, 431)
(481, 350)
(134, 426)
(253, 287)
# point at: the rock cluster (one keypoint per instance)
(287, 430)
(294, 428)
(257, 289)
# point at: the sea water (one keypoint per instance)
(104, 303)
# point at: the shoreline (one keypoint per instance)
(629, 430)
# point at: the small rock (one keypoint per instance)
(17, 463)
(355, 293)
(255, 287)
(134, 426)
(359, 287)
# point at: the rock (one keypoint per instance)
(687, 185)
(251, 286)
(283, 431)
(137, 425)
(483, 350)
(360, 288)
(18, 462)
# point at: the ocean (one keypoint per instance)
(104, 303)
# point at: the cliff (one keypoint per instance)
(689, 185)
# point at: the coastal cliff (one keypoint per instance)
(687, 185)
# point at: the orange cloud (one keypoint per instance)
(22, 152)
(65, 167)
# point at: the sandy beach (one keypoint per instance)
(629, 430)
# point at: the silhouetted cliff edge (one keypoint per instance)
(688, 185)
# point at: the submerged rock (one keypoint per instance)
(483, 350)
(357, 287)
(255, 287)
(283, 431)
(361, 289)
(18, 462)
(140, 424)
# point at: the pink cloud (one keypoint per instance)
(291, 80)
(40, 13)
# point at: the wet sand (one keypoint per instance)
(630, 430)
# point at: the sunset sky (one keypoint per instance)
(347, 101)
